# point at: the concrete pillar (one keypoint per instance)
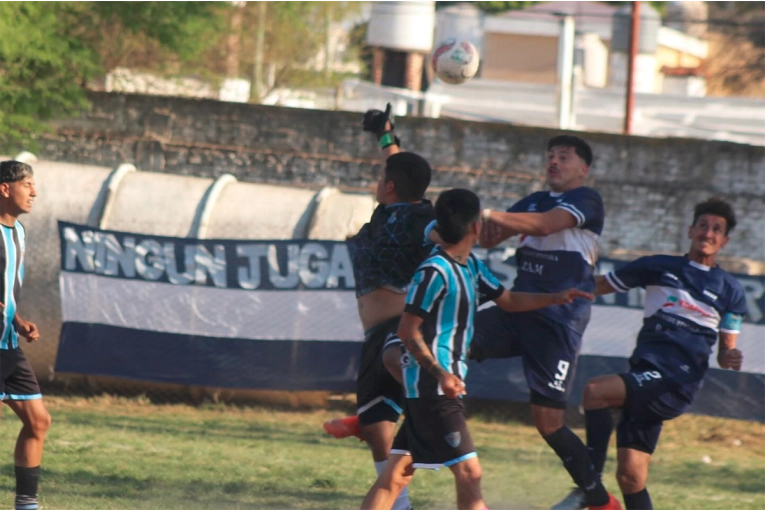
(413, 73)
(378, 60)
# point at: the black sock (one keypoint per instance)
(27, 480)
(638, 501)
(576, 460)
(600, 424)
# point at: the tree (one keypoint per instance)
(47, 53)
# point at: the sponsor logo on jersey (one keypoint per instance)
(673, 301)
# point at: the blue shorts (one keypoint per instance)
(652, 399)
(549, 350)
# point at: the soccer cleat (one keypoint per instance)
(26, 503)
(344, 427)
(613, 504)
(574, 501)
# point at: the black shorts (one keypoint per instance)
(18, 379)
(434, 433)
(651, 400)
(549, 350)
(378, 394)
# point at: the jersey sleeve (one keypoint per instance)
(489, 287)
(427, 289)
(426, 241)
(638, 273)
(733, 316)
(585, 205)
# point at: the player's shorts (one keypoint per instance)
(651, 400)
(19, 381)
(549, 351)
(434, 433)
(378, 394)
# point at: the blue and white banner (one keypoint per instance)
(282, 315)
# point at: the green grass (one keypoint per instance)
(116, 453)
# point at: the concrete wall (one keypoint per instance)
(649, 185)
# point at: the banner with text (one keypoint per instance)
(282, 315)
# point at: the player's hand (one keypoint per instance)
(452, 385)
(731, 358)
(568, 296)
(28, 330)
(378, 122)
(491, 234)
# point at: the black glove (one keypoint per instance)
(374, 121)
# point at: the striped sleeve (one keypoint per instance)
(585, 205)
(489, 287)
(638, 273)
(734, 315)
(427, 289)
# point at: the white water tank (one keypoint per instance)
(402, 26)
(463, 21)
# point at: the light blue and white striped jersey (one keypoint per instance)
(12, 263)
(446, 295)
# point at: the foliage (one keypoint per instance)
(48, 53)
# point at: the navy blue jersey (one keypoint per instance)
(686, 306)
(446, 295)
(12, 263)
(564, 259)
(388, 249)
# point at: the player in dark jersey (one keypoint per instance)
(437, 328)
(385, 254)
(689, 303)
(559, 232)
(20, 389)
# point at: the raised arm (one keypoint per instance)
(531, 223)
(379, 124)
(602, 286)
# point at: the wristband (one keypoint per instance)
(386, 140)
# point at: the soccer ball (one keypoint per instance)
(455, 61)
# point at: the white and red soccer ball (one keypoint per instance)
(455, 61)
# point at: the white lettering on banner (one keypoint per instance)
(249, 275)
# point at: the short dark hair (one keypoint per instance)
(13, 171)
(716, 207)
(582, 148)
(456, 210)
(410, 175)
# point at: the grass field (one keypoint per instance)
(117, 453)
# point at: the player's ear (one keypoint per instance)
(5, 189)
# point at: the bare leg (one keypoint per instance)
(35, 421)
(467, 477)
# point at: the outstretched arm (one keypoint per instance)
(526, 301)
(602, 286)
(531, 223)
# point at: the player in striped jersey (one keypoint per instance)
(689, 303)
(20, 389)
(436, 329)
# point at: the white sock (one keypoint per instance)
(402, 502)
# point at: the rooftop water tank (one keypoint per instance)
(650, 21)
(403, 26)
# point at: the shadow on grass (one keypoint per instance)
(85, 484)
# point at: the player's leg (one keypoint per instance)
(467, 478)
(390, 483)
(22, 394)
(632, 475)
(391, 358)
(549, 361)
(600, 395)
(494, 336)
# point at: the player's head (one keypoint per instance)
(568, 161)
(458, 215)
(405, 178)
(713, 220)
(17, 187)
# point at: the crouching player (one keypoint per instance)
(689, 302)
(436, 330)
